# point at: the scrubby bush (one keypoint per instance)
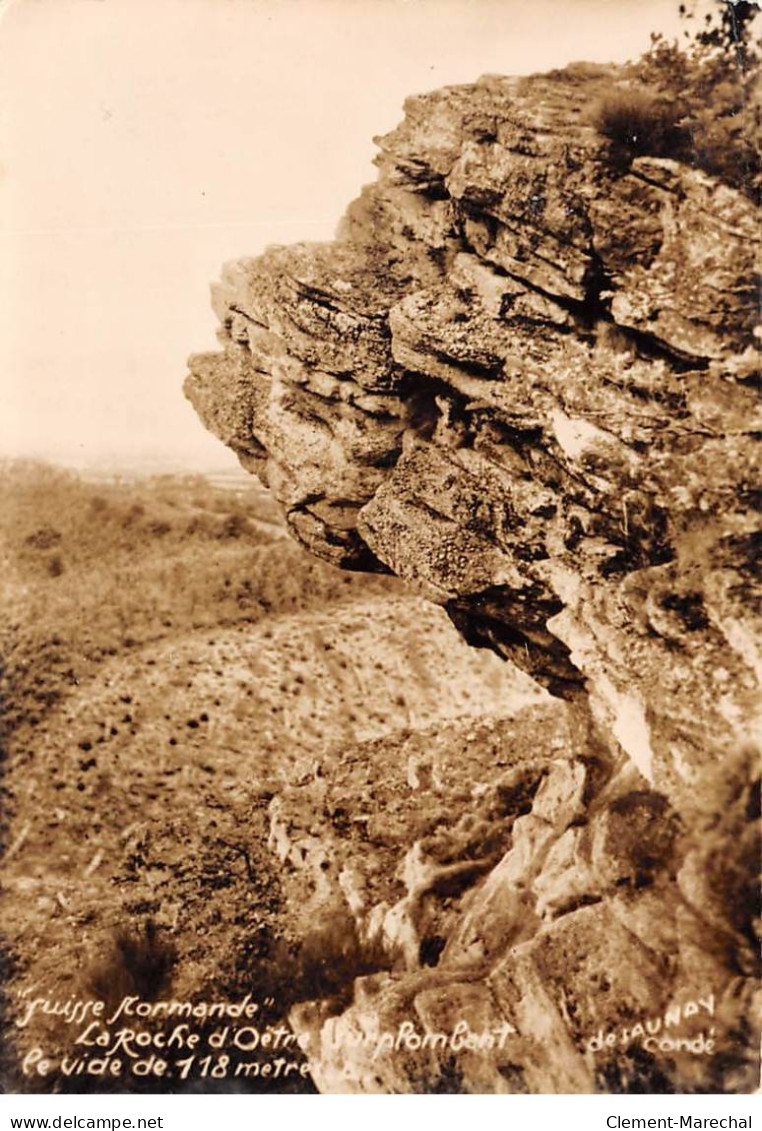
(638, 121)
(329, 959)
(236, 525)
(135, 963)
(55, 565)
(718, 102)
(698, 102)
(43, 538)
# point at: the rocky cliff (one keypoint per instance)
(521, 379)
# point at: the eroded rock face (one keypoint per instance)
(495, 907)
(521, 379)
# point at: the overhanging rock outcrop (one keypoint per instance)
(521, 378)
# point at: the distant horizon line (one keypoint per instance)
(146, 461)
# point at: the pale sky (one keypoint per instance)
(145, 142)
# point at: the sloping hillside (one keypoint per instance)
(172, 663)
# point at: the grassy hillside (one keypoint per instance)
(173, 663)
(88, 571)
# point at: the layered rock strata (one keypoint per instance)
(521, 378)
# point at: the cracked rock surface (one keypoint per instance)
(521, 379)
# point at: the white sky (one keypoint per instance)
(145, 142)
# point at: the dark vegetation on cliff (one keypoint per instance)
(697, 102)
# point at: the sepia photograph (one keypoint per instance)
(380, 659)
